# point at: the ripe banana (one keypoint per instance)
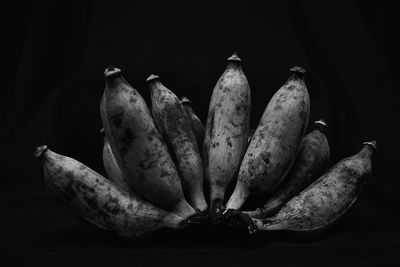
(311, 162)
(138, 147)
(98, 200)
(111, 167)
(273, 147)
(227, 130)
(195, 123)
(174, 126)
(325, 200)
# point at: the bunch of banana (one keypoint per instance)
(166, 170)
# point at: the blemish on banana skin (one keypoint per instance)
(228, 141)
(133, 100)
(117, 119)
(128, 137)
(225, 89)
(306, 168)
(180, 135)
(218, 183)
(76, 191)
(112, 206)
(259, 168)
(206, 143)
(214, 145)
(69, 192)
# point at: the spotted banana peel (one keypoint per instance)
(148, 184)
(98, 200)
(227, 131)
(138, 146)
(274, 145)
(324, 201)
(172, 122)
(312, 160)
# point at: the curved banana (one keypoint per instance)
(273, 147)
(138, 147)
(174, 125)
(98, 200)
(195, 122)
(114, 173)
(227, 130)
(311, 162)
(327, 199)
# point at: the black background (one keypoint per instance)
(55, 57)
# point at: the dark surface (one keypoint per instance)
(56, 57)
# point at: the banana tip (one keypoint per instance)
(111, 71)
(298, 70)
(234, 57)
(152, 77)
(185, 100)
(374, 144)
(321, 125)
(39, 151)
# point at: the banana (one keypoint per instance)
(273, 147)
(325, 200)
(226, 132)
(172, 122)
(99, 201)
(138, 146)
(111, 167)
(195, 123)
(311, 162)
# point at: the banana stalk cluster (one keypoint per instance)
(165, 169)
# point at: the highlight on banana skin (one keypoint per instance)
(165, 168)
